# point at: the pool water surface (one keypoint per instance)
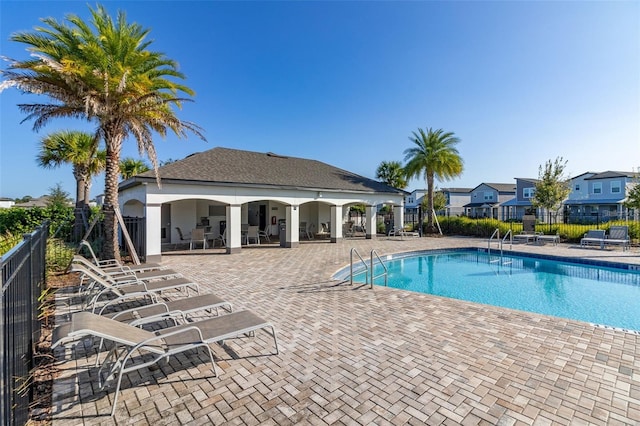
(599, 295)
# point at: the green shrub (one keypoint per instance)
(59, 255)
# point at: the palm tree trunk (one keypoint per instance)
(80, 202)
(111, 246)
(430, 227)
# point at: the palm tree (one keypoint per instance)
(434, 156)
(391, 173)
(102, 71)
(130, 167)
(80, 149)
(77, 148)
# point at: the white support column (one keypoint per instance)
(234, 229)
(398, 217)
(153, 224)
(293, 225)
(372, 221)
(336, 224)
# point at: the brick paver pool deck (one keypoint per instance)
(352, 355)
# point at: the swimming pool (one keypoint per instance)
(608, 296)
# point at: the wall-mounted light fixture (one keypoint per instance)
(319, 194)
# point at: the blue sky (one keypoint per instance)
(346, 83)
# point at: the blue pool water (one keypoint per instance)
(599, 295)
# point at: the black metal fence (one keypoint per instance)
(23, 279)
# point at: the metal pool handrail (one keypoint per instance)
(366, 267)
(385, 273)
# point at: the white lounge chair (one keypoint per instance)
(114, 263)
(618, 236)
(124, 274)
(131, 343)
(554, 239)
(593, 237)
(526, 237)
(104, 286)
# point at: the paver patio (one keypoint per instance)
(352, 355)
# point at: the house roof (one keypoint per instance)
(611, 174)
(35, 202)
(500, 187)
(482, 204)
(247, 168)
(595, 202)
(529, 180)
(514, 202)
(458, 190)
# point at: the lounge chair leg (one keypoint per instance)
(275, 339)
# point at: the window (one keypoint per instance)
(616, 188)
(577, 187)
(488, 195)
(597, 187)
(528, 192)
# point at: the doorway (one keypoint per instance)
(165, 219)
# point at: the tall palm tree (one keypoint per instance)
(433, 155)
(80, 149)
(130, 167)
(391, 173)
(102, 71)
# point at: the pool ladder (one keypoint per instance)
(367, 268)
(496, 235)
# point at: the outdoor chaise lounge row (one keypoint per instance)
(120, 324)
(618, 236)
(535, 237)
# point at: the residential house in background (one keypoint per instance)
(412, 203)
(35, 202)
(456, 200)
(521, 203)
(598, 196)
(487, 198)
(6, 203)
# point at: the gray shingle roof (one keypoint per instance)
(231, 166)
(500, 187)
(611, 174)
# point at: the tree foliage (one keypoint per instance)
(633, 194)
(102, 71)
(130, 167)
(433, 155)
(392, 173)
(80, 149)
(439, 201)
(552, 187)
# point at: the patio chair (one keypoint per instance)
(253, 234)
(114, 263)
(265, 233)
(183, 239)
(593, 237)
(197, 236)
(135, 348)
(163, 309)
(323, 232)
(222, 238)
(526, 237)
(554, 239)
(618, 236)
(103, 286)
(303, 231)
(124, 274)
